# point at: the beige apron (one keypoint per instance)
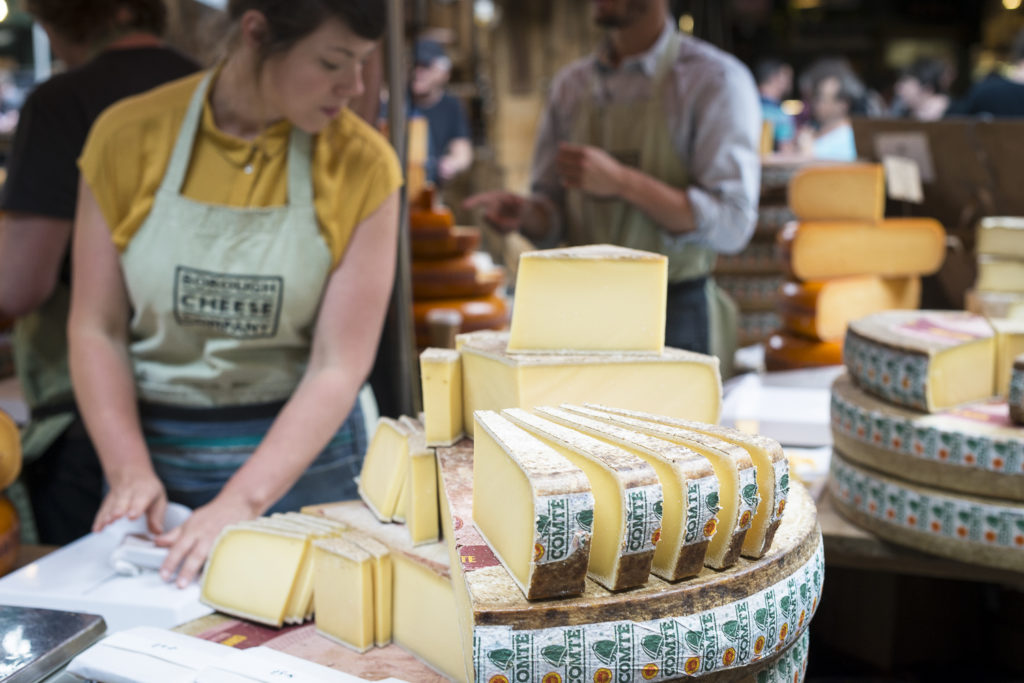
(637, 134)
(224, 298)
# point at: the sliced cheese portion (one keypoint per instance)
(768, 457)
(343, 590)
(627, 501)
(493, 379)
(300, 607)
(821, 309)
(1000, 236)
(534, 507)
(382, 582)
(895, 247)
(690, 489)
(421, 516)
(737, 479)
(260, 591)
(1009, 345)
(785, 351)
(925, 360)
(441, 375)
(1000, 274)
(590, 298)
(822, 192)
(383, 473)
(425, 617)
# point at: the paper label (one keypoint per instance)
(947, 331)
(702, 505)
(643, 519)
(749, 498)
(563, 523)
(903, 179)
(909, 145)
(726, 637)
(781, 488)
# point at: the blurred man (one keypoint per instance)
(450, 150)
(998, 94)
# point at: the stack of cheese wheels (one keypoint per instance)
(999, 289)
(10, 466)
(446, 276)
(845, 261)
(925, 452)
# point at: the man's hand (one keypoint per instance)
(590, 169)
(504, 211)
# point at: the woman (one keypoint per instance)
(234, 252)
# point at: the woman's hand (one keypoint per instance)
(191, 542)
(133, 495)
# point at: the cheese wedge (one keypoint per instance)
(402, 506)
(1009, 345)
(384, 471)
(382, 581)
(493, 379)
(1000, 236)
(691, 494)
(1016, 392)
(260, 591)
(737, 480)
(995, 304)
(627, 501)
(925, 360)
(821, 309)
(1000, 274)
(824, 192)
(421, 485)
(785, 351)
(534, 507)
(895, 247)
(441, 376)
(343, 589)
(768, 457)
(587, 299)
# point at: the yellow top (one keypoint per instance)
(129, 147)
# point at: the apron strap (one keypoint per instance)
(300, 163)
(174, 177)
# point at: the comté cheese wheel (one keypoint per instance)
(10, 451)
(821, 309)
(437, 222)
(823, 192)
(789, 352)
(818, 250)
(461, 241)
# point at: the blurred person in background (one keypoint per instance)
(450, 150)
(921, 90)
(111, 49)
(998, 94)
(836, 93)
(774, 84)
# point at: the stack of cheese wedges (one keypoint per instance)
(845, 261)
(925, 452)
(999, 289)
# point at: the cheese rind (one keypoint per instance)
(589, 299)
(383, 473)
(972, 449)
(343, 593)
(493, 379)
(895, 247)
(925, 360)
(769, 460)
(822, 309)
(627, 501)
(853, 191)
(982, 531)
(534, 507)
(441, 376)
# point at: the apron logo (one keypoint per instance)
(240, 306)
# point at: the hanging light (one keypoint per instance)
(3, 9)
(1011, 4)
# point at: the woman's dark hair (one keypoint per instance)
(91, 22)
(289, 21)
(929, 72)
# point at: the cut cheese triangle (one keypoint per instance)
(769, 459)
(1009, 345)
(541, 528)
(441, 376)
(384, 468)
(737, 479)
(343, 585)
(627, 501)
(691, 494)
(838, 192)
(822, 309)
(925, 360)
(421, 514)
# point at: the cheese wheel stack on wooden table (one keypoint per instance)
(845, 261)
(925, 451)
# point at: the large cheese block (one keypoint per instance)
(493, 379)
(421, 515)
(769, 460)
(441, 377)
(1009, 345)
(925, 360)
(343, 593)
(1016, 392)
(895, 247)
(995, 304)
(383, 473)
(984, 531)
(627, 501)
(1000, 274)
(737, 479)
(824, 192)
(972, 448)
(587, 299)
(260, 591)
(690, 489)
(534, 507)
(721, 625)
(1000, 236)
(821, 309)
(783, 351)
(10, 451)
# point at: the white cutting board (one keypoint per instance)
(80, 578)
